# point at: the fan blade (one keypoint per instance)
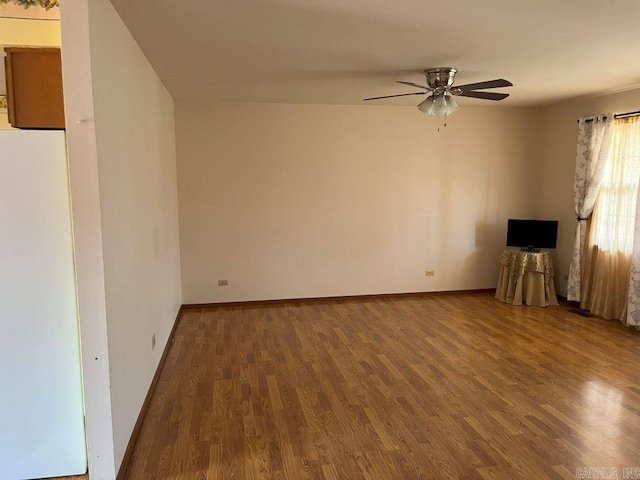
(484, 95)
(411, 84)
(391, 96)
(484, 85)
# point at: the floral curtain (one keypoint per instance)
(633, 302)
(594, 135)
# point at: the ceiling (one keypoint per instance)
(341, 51)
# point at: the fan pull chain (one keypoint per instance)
(445, 122)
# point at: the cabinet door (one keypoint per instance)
(34, 88)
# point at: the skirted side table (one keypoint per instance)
(526, 278)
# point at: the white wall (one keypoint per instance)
(290, 201)
(87, 235)
(135, 137)
(559, 136)
(121, 140)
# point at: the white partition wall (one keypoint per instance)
(41, 413)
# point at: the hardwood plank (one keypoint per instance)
(412, 387)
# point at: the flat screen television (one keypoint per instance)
(532, 234)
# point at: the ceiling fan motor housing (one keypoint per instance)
(440, 78)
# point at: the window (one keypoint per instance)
(613, 218)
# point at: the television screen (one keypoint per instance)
(532, 234)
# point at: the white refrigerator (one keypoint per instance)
(41, 409)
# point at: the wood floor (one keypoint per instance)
(443, 387)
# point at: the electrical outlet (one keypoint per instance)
(430, 273)
(223, 283)
(153, 341)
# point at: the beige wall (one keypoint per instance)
(557, 165)
(27, 33)
(289, 201)
(135, 136)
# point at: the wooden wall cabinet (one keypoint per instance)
(34, 88)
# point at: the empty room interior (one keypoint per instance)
(319, 239)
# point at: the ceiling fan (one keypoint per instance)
(440, 85)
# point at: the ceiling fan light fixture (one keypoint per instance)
(427, 106)
(438, 104)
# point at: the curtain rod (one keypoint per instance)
(618, 115)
